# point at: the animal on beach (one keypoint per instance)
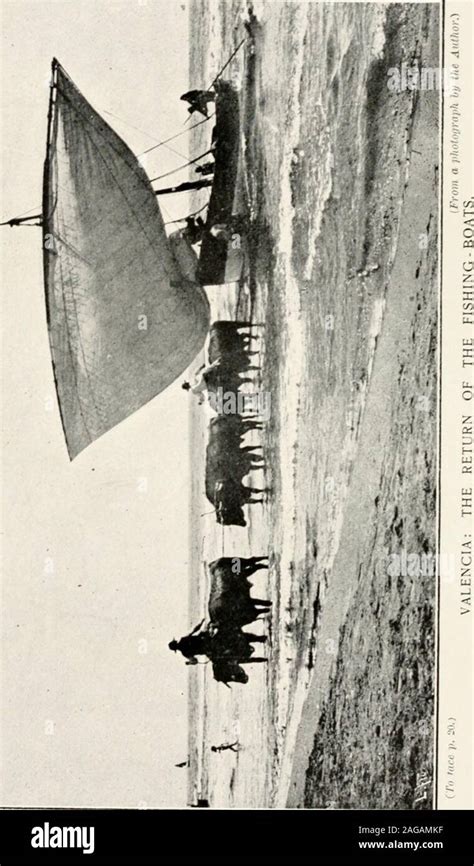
(222, 640)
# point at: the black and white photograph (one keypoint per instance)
(221, 375)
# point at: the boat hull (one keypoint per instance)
(222, 259)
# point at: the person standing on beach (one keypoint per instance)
(200, 384)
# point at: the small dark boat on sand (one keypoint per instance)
(222, 256)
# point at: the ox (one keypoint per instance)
(230, 602)
(228, 339)
(230, 606)
(228, 496)
(227, 463)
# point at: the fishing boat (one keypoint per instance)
(223, 257)
(126, 309)
(223, 254)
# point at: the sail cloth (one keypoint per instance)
(123, 320)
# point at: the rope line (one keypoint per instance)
(172, 137)
(193, 214)
(153, 137)
(239, 46)
(181, 167)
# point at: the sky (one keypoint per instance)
(95, 552)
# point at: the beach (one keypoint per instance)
(342, 180)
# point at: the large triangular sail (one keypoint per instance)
(123, 320)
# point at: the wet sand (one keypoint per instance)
(370, 714)
(345, 410)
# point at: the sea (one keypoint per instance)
(325, 171)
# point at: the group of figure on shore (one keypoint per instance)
(228, 459)
(230, 352)
(221, 639)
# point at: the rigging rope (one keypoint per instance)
(180, 167)
(19, 220)
(172, 137)
(239, 46)
(137, 129)
(193, 214)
